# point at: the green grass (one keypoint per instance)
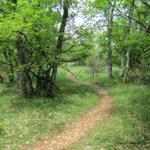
(129, 127)
(25, 120)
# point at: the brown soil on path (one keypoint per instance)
(74, 131)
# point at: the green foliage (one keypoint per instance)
(130, 33)
(1, 128)
(37, 32)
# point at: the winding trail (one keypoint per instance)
(74, 131)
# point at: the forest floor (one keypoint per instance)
(31, 122)
(74, 131)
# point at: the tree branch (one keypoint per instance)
(73, 60)
(37, 76)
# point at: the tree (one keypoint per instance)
(110, 40)
(41, 40)
(122, 26)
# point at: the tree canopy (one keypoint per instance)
(37, 37)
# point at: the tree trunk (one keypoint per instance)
(51, 86)
(11, 73)
(21, 62)
(110, 64)
(110, 26)
(128, 48)
(30, 83)
(10, 69)
(41, 83)
(122, 66)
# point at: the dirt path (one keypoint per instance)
(73, 132)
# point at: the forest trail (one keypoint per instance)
(74, 131)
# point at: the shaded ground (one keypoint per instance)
(74, 131)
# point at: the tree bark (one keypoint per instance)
(128, 48)
(51, 87)
(10, 69)
(110, 26)
(21, 62)
(30, 83)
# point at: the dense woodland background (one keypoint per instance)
(42, 39)
(38, 37)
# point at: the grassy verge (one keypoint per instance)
(25, 120)
(129, 127)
